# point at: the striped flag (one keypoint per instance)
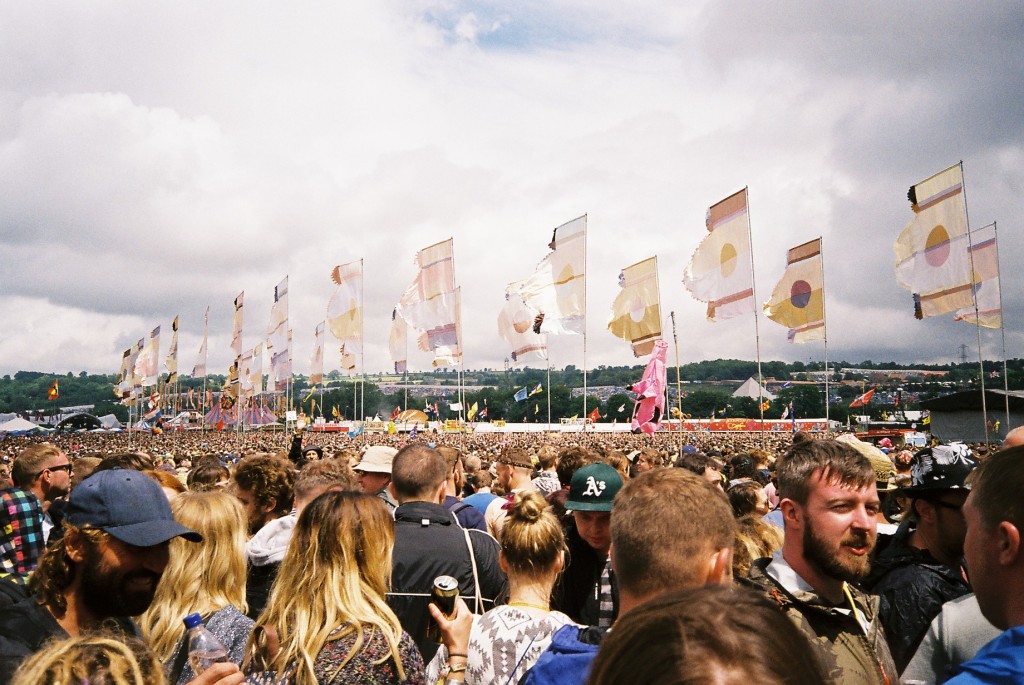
(985, 261)
(719, 272)
(798, 300)
(636, 312)
(932, 252)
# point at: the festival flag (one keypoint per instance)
(621, 408)
(312, 391)
(245, 388)
(171, 364)
(636, 312)
(557, 288)
(316, 363)
(515, 326)
(54, 391)
(650, 391)
(431, 303)
(720, 271)
(520, 395)
(334, 412)
(863, 400)
(785, 411)
(472, 411)
(985, 261)
(455, 406)
(537, 389)
(147, 365)
(396, 412)
(256, 370)
(798, 301)
(765, 405)
(236, 326)
(345, 311)
(594, 415)
(932, 252)
(279, 337)
(397, 342)
(483, 412)
(190, 400)
(199, 370)
(536, 408)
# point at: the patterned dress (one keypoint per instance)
(504, 644)
(373, 664)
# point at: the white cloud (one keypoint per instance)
(165, 158)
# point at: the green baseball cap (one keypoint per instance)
(593, 488)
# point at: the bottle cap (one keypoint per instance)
(193, 620)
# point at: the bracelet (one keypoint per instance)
(453, 681)
(464, 656)
(457, 669)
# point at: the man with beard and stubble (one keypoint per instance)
(102, 572)
(829, 502)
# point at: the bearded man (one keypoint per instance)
(829, 503)
(104, 570)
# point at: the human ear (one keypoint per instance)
(1008, 540)
(719, 567)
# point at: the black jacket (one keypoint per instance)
(430, 543)
(26, 626)
(576, 591)
(912, 586)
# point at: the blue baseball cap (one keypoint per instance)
(129, 505)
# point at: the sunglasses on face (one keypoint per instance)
(62, 467)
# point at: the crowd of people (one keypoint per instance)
(575, 558)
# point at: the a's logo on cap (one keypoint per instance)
(594, 487)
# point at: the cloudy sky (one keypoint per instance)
(156, 158)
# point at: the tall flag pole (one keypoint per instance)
(345, 312)
(557, 289)
(636, 312)
(200, 365)
(721, 271)
(679, 384)
(933, 255)
(798, 300)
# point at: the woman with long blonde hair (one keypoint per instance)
(207, 577)
(326, 620)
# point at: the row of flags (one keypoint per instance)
(947, 267)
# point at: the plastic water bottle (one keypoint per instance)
(204, 649)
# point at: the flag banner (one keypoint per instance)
(277, 327)
(455, 406)
(171, 364)
(798, 300)
(245, 389)
(316, 363)
(471, 414)
(860, 401)
(147, 366)
(719, 272)
(594, 415)
(345, 309)
(650, 391)
(636, 312)
(537, 389)
(127, 380)
(431, 303)
(557, 289)
(54, 391)
(985, 262)
(398, 342)
(483, 413)
(515, 326)
(932, 252)
(256, 370)
(520, 395)
(443, 339)
(236, 326)
(199, 370)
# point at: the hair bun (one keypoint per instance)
(529, 506)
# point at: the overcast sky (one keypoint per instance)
(156, 158)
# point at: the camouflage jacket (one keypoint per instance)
(847, 655)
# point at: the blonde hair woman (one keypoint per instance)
(326, 620)
(506, 641)
(206, 577)
(93, 658)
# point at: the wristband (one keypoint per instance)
(462, 656)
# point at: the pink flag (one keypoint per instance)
(651, 391)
